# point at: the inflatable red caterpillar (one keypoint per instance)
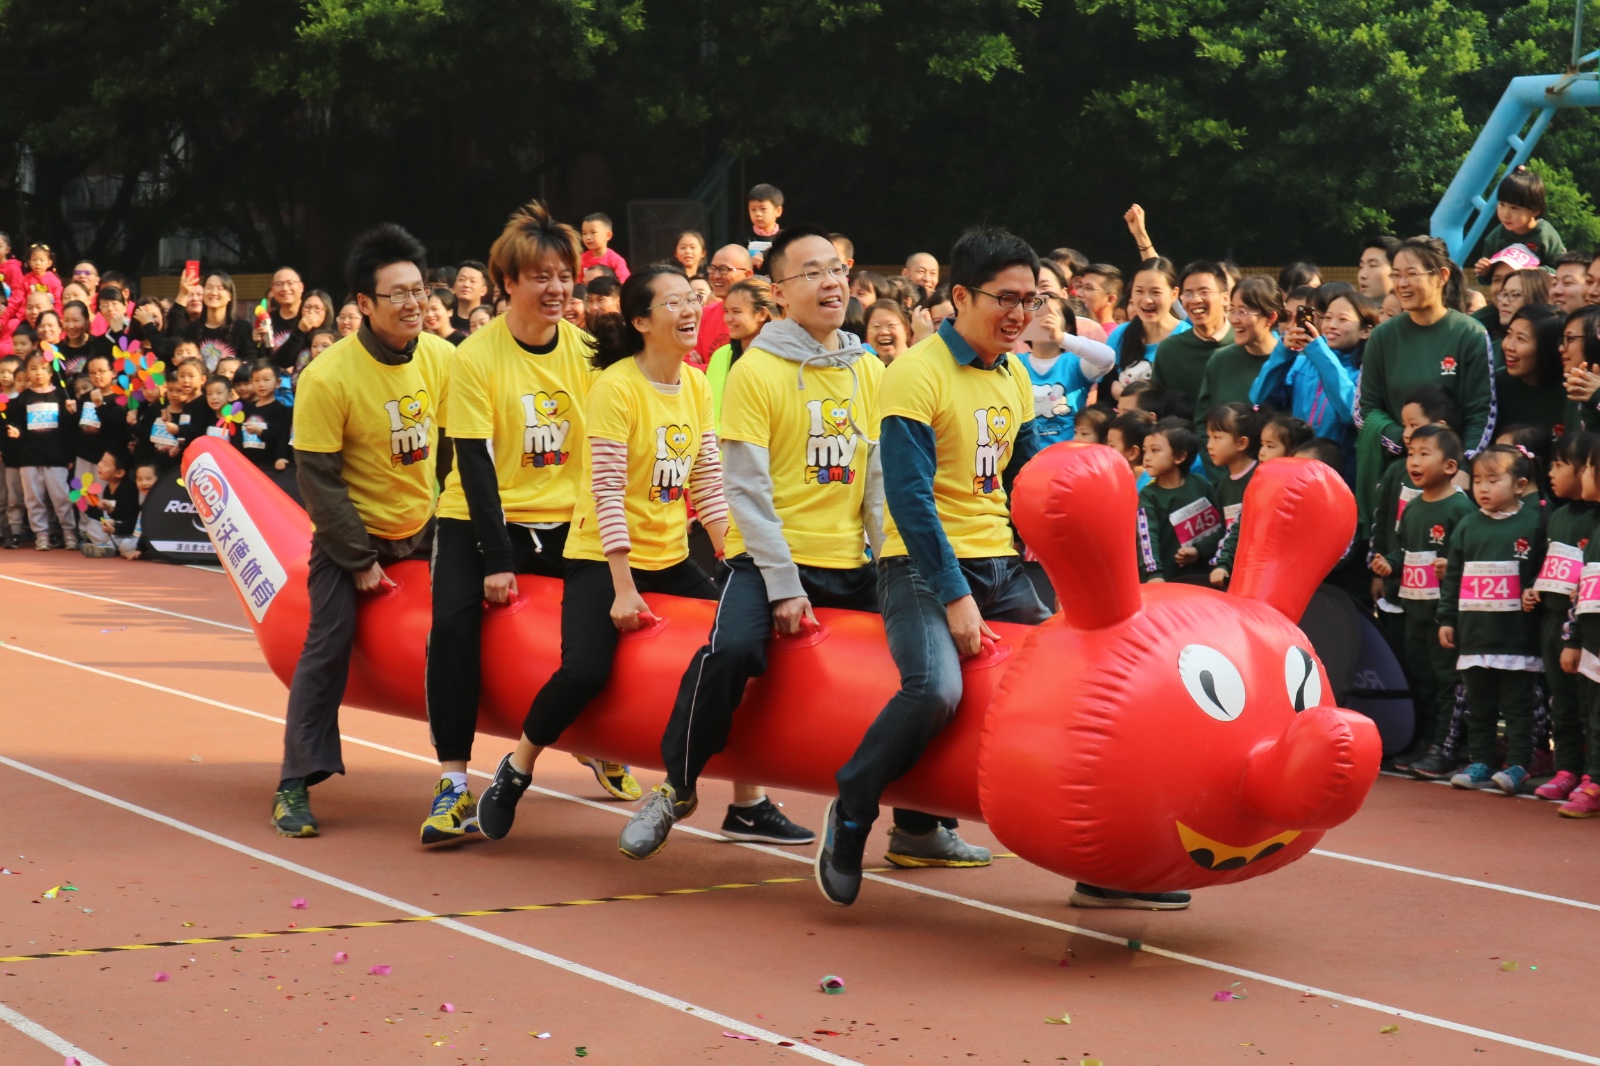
(1146, 738)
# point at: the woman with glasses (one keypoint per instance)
(1255, 311)
(1429, 343)
(650, 443)
(1520, 289)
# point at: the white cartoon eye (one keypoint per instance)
(1213, 682)
(1300, 675)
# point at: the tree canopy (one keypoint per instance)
(279, 127)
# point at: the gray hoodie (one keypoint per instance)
(747, 471)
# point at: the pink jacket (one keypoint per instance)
(608, 258)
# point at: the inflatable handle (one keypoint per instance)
(512, 606)
(653, 625)
(990, 654)
(811, 634)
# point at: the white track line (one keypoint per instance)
(992, 908)
(621, 984)
(54, 1041)
(125, 603)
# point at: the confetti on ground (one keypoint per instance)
(825, 1032)
(1223, 997)
(1508, 966)
(71, 1060)
(194, 758)
(832, 985)
(161, 976)
(1136, 945)
(1065, 1019)
(115, 629)
(339, 956)
(5, 872)
(736, 1036)
(1090, 1062)
(298, 904)
(379, 971)
(448, 1008)
(581, 1052)
(1237, 991)
(538, 1036)
(1390, 1029)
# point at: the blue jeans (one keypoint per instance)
(930, 670)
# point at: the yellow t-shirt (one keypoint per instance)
(975, 414)
(817, 459)
(384, 421)
(530, 409)
(662, 434)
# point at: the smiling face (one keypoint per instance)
(981, 320)
(540, 292)
(1520, 350)
(816, 306)
(1151, 296)
(886, 332)
(663, 328)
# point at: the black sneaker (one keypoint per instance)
(1435, 765)
(838, 865)
(291, 813)
(764, 823)
(1109, 899)
(1401, 763)
(497, 808)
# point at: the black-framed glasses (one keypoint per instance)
(719, 271)
(838, 272)
(400, 296)
(676, 304)
(1011, 301)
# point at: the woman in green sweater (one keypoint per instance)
(1495, 553)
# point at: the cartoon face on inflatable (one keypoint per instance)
(1191, 721)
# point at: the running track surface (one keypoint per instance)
(154, 805)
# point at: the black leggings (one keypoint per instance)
(589, 639)
(455, 676)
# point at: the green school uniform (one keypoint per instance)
(1227, 496)
(1543, 241)
(1180, 362)
(1229, 373)
(1517, 404)
(1567, 536)
(1175, 518)
(1422, 537)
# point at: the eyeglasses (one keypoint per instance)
(214, 290)
(1508, 294)
(401, 296)
(838, 272)
(1199, 294)
(1247, 312)
(1090, 290)
(1010, 301)
(719, 271)
(83, 273)
(676, 304)
(1410, 275)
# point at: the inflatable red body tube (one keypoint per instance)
(1146, 738)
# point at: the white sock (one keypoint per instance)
(458, 781)
(750, 803)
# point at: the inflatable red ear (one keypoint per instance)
(1299, 518)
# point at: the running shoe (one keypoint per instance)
(941, 847)
(838, 864)
(1434, 766)
(1476, 775)
(454, 815)
(613, 777)
(41, 544)
(97, 551)
(498, 807)
(1511, 780)
(1584, 801)
(1559, 787)
(291, 813)
(1094, 896)
(765, 824)
(646, 832)
(1401, 763)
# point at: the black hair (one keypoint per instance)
(1433, 255)
(601, 271)
(1206, 266)
(1294, 431)
(600, 217)
(770, 193)
(381, 246)
(1383, 242)
(1096, 418)
(1238, 420)
(1573, 448)
(1534, 441)
(1112, 275)
(1438, 405)
(981, 253)
(787, 236)
(473, 264)
(849, 245)
(87, 363)
(1133, 429)
(1181, 438)
(444, 296)
(81, 306)
(874, 281)
(119, 458)
(1522, 188)
(1547, 324)
(1148, 396)
(1323, 451)
(113, 293)
(1303, 293)
(263, 364)
(1298, 273)
(608, 286)
(1573, 257)
(1058, 270)
(855, 317)
(615, 336)
(1329, 291)
(579, 290)
(940, 295)
(1074, 260)
(1445, 438)
(1590, 317)
(1515, 459)
(241, 375)
(1131, 345)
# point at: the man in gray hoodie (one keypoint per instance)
(803, 482)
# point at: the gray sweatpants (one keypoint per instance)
(45, 489)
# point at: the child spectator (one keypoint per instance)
(264, 435)
(43, 418)
(1417, 556)
(1233, 441)
(1281, 435)
(11, 533)
(1125, 435)
(604, 297)
(184, 417)
(1089, 425)
(1175, 510)
(116, 495)
(1581, 656)
(1146, 399)
(218, 391)
(40, 276)
(765, 203)
(1567, 534)
(1062, 367)
(1495, 553)
(102, 424)
(320, 341)
(749, 306)
(690, 253)
(597, 251)
(1519, 209)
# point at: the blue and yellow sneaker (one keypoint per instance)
(291, 813)
(455, 814)
(613, 777)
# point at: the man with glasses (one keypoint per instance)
(800, 473)
(87, 274)
(287, 291)
(365, 429)
(1180, 362)
(731, 265)
(957, 424)
(1100, 289)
